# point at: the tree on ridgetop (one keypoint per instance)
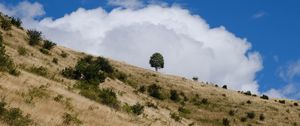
(157, 61)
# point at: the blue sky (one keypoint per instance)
(272, 27)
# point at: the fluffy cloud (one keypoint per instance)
(189, 45)
(23, 9)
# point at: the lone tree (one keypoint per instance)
(157, 61)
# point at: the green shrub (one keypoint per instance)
(93, 71)
(68, 73)
(44, 51)
(121, 76)
(35, 92)
(6, 63)
(282, 101)
(16, 22)
(248, 102)
(248, 93)
(251, 115)
(58, 98)
(261, 117)
(174, 96)
(226, 122)
(264, 97)
(195, 78)
(48, 45)
(155, 91)
(22, 51)
(151, 105)
(5, 24)
(64, 54)
(109, 97)
(42, 71)
(34, 37)
(175, 116)
(243, 119)
(69, 119)
(142, 89)
(14, 116)
(231, 112)
(184, 110)
(55, 60)
(137, 109)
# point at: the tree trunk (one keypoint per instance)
(156, 69)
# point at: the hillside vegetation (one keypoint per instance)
(48, 85)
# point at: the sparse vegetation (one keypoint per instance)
(282, 101)
(22, 51)
(42, 71)
(224, 86)
(195, 78)
(184, 110)
(296, 104)
(34, 93)
(55, 60)
(231, 112)
(48, 44)
(6, 63)
(251, 115)
(69, 119)
(264, 97)
(151, 105)
(109, 97)
(44, 51)
(226, 122)
(14, 116)
(34, 37)
(262, 117)
(248, 93)
(64, 54)
(174, 96)
(176, 117)
(142, 89)
(137, 109)
(5, 24)
(16, 22)
(156, 92)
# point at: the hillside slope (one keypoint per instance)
(51, 99)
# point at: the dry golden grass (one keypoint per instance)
(45, 111)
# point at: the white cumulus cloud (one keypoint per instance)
(189, 45)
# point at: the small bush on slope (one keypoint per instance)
(104, 96)
(137, 109)
(156, 92)
(22, 51)
(5, 24)
(42, 71)
(16, 22)
(6, 63)
(69, 119)
(14, 116)
(174, 96)
(89, 70)
(34, 37)
(48, 45)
